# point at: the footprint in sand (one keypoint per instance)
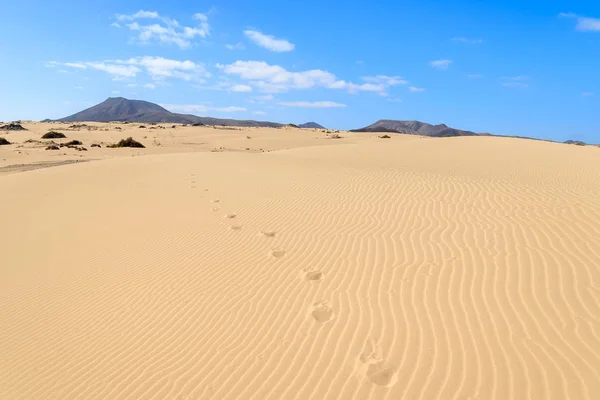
(322, 312)
(277, 253)
(314, 276)
(235, 227)
(382, 375)
(230, 216)
(268, 233)
(216, 208)
(215, 200)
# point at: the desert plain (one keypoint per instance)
(285, 263)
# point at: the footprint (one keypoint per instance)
(268, 233)
(277, 253)
(235, 227)
(314, 276)
(382, 375)
(322, 312)
(215, 200)
(206, 190)
(371, 354)
(230, 216)
(215, 208)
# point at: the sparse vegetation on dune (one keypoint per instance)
(71, 143)
(13, 126)
(3, 141)
(129, 142)
(54, 135)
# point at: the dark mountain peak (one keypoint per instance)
(414, 128)
(122, 109)
(311, 125)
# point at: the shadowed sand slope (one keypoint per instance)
(465, 268)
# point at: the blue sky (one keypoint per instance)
(506, 67)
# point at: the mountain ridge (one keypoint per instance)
(120, 109)
(416, 128)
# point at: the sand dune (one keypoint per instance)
(361, 268)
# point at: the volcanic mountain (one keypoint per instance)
(121, 109)
(416, 128)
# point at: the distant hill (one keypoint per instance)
(125, 110)
(415, 128)
(311, 125)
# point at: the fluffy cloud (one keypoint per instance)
(259, 113)
(583, 24)
(414, 89)
(314, 104)
(269, 42)
(467, 40)
(201, 108)
(275, 79)
(164, 30)
(441, 64)
(158, 68)
(240, 88)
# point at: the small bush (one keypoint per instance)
(13, 126)
(142, 126)
(335, 136)
(95, 145)
(198, 124)
(129, 142)
(53, 147)
(3, 141)
(385, 137)
(71, 143)
(54, 135)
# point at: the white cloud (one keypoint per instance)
(269, 42)
(414, 89)
(275, 79)
(386, 80)
(441, 64)
(75, 65)
(240, 88)
(165, 30)
(517, 85)
(131, 85)
(150, 86)
(158, 68)
(261, 99)
(78, 87)
(115, 92)
(203, 20)
(138, 15)
(517, 82)
(583, 24)
(587, 94)
(116, 71)
(237, 46)
(467, 40)
(314, 104)
(201, 108)
(259, 113)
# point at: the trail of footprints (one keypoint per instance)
(377, 372)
